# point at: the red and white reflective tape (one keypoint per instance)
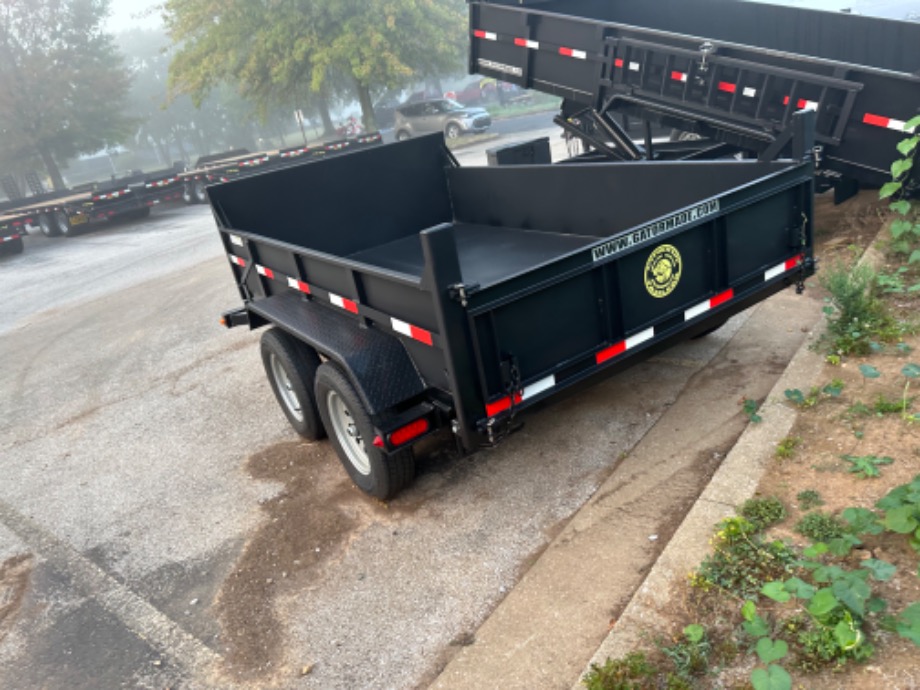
(527, 43)
(254, 161)
(573, 53)
(413, 332)
(485, 35)
(711, 303)
(727, 87)
(749, 92)
(267, 272)
(886, 122)
(298, 285)
(161, 183)
(239, 261)
(619, 348)
(531, 391)
(679, 76)
(802, 104)
(784, 267)
(11, 238)
(343, 303)
(111, 195)
(633, 66)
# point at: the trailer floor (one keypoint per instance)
(488, 254)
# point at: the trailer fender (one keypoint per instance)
(376, 362)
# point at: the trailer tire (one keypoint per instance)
(201, 195)
(62, 222)
(453, 131)
(48, 226)
(351, 432)
(291, 368)
(188, 195)
(13, 246)
(402, 135)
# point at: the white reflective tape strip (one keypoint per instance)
(580, 54)
(292, 283)
(634, 66)
(538, 387)
(237, 260)
(337, 300)
(808, 105)
(401, 327)
(896, 124)
(640, 338)
(237, 240)
(749, 92)
(699, 309)
(774, 272)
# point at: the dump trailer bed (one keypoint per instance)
(730, 71)
(458, 297)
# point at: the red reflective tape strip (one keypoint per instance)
(784, 267)
(794, 261)
(721, 298)
(610, 352)
(267, 272)
(238, 261)
(727, 87)
(498, 406)
(299, 285)
(618, 62)
(679, 76)
(487, 35)
(886, 122)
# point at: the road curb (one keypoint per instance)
(736, 480)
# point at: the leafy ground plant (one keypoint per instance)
(763, 512)
(809, 499)
(866, 466)
(785, 449)
(819, 526)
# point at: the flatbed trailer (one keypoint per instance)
(218, 168)
(731, 72)
(64, 212)
(13, 227)
(456, 298)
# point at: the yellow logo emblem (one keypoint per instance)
(662, 270)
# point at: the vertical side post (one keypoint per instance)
(442, 271)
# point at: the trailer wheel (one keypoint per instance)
(291, 368)
(201, 196)
(48, 226)
(351, 432)
(13, 246)
(63, 224)
(187, 194)
(402, 135)
(452, 131)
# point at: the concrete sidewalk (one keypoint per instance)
(604, 578)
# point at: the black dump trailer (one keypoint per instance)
(729, 71)
(231, 165)
(409, 294)
(13, 227)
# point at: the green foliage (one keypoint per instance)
(819, 526)
(690, 656)
(763, 512)
(786, 448)
(866, 466)
(856, 316)
(749, 408)
(629, 673)
(742, 560)
(63, 83)
(901, 509)
(809, 499)
(905, 229)
(815, 395)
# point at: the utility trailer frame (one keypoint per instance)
(731, 72)
(448, 297)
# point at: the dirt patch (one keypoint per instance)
(307, 525)
(15, 574)
(843, 232)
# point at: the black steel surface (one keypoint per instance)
(376, 362)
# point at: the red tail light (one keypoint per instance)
(408, 432)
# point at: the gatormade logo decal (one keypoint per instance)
(500, 67)
(654, 230)
(662, 270)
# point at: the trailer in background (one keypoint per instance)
(733, 73)
(232, 165)
(13, 226)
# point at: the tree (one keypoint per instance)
(63, 86)
(288, 52)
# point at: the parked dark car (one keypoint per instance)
(440, 115)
